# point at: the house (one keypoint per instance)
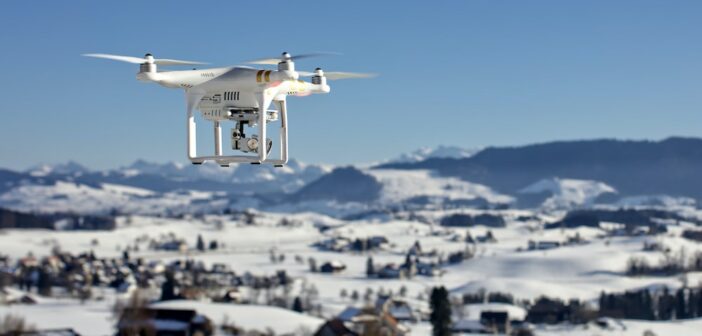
(469, 327)
(367, 244)
(172, 245)
(336, 244)
(543, 245)
(163, 322)
(429, 269)
(369, 322)
(496, 321)
(399, 309)
(233, 296)
(348, 314)
(389, 271)
(335, 327)
(549, 311)
(332, 267)
(487, 238)
(377, 242)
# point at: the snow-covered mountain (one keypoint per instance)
(669, 167)
(563, 194)
(147, 188)
(448, 177)
(349, 191)
(103, 199)
(67, 168)
(290, 177)
(400, 186)
(441, 152)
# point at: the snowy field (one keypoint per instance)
(575, 271)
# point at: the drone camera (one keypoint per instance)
(248, 145)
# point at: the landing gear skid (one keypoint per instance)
(225, 160)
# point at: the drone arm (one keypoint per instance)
(283, 110)
(264, 100)
(192, 97)
(218, 138)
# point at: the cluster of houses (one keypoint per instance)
(345, 244)
(414, 264)
(160, 321)
(388, 316)
(534, 245)
(68, 275)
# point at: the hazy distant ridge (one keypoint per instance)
(672, 166)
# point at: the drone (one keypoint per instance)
(240, 94)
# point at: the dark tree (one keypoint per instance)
(168, 288)
(44, 282)
(200, 243)
(490, 237)
(297, 305)
(681, 308)
(417, 246)
(313, 264)
(214, 245)
(666, 305)
(647, 304)
(469, 238)
(440, 312)
(370, 268)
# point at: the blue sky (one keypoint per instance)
(464, 73)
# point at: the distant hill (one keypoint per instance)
(165, 177)
(345, 184)
(439, 152)
(672, 166)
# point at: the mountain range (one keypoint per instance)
(555, 175)
(672, 166)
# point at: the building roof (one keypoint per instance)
(468, 326)
(335, 327)
(348, 314)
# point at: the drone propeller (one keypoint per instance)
(146, 59)
(287, 57)
(336, 75)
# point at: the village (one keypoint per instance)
(154, 282)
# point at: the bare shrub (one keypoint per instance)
(11, 325)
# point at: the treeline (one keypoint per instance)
(647, 305)
(670, 265)
(10, 219)
(484, 297)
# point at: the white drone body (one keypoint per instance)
(239, 94)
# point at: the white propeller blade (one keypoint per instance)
(141, 60)
(336, 75)
(286, 56)
(166, 61)
(128, 59)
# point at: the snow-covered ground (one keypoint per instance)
(579, 271)
(399, 185)
(626, 328)
(567, 193)
(574, 271)
(70, 197)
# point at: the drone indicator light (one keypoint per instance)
(259, 76)
(268, 76)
